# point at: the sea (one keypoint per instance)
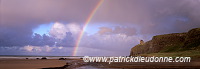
(37, 57)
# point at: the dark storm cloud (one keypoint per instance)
(11, 37)
(149, 15)
(174, 15)
(46, 10)
(152, 16)
(42, 40)
(14, 36)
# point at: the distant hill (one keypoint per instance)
(167, 43)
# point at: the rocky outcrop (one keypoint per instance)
(169, 42)
(193, 38)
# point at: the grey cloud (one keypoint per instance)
(115, 42)
(14, 37)
(118, 30)
(125, 30)
(104, 30)
(19, 18)
(152, 16)
(36, 50)
(42, 40)
(46, 10)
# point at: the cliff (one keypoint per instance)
(169, 43)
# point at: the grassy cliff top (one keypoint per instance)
(175, 44)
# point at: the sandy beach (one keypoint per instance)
(30, 63)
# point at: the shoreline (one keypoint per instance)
(30, 63)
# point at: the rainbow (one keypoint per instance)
(85, 25)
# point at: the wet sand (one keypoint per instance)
(30, 63)
(191, 65)
(194, 64)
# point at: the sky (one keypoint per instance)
(52, 27)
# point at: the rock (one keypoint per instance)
(43, 58)
(61, 58)
(193, 38)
